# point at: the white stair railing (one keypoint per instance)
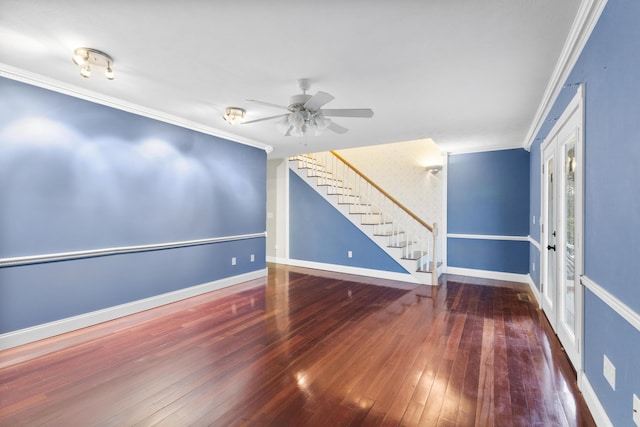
(390, 218)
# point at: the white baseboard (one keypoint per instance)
(46, 330)
(487, 274)
(367, 272)
(534, 290)
(597, 410)
(277, 260)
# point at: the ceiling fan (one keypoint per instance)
(305, 114)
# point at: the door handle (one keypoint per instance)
(549, 247)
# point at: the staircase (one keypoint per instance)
(403, 235)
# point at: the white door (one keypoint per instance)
(548, 228)
(562, 192)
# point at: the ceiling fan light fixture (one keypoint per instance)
(305, 113)
(298, 131)
(320, 122)
(234, 115)
(87, 57)
(297, 119)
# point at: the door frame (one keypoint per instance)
(574, 112)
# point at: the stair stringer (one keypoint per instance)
(381, 241)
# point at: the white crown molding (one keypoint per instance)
(47, 330)
(452, 149)
(588, 14)
(34, 79)
(623, 310)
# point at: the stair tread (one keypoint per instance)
(389, 233)
(398, 245)
(416, 255)
(423, 270)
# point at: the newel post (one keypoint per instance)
(434, 257)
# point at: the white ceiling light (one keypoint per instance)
(87, 57)
(234, 115)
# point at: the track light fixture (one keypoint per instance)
(87, 58)
(234, 115)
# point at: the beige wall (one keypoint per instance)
(399, 168)
(277, 208)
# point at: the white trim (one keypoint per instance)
(455, 149)
(28, 77)
(277, 260)
(287, 208)
(378, 274)
(588, 14)
(534, 290)
(445, 212)
(623, 310)
(66, 256)
(535, 243)
(487, 274)
(46, 330)
(569, 124)
(487, 237)
(591, 398)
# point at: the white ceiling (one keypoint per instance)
(468, 73)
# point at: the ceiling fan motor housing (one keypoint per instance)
(296, 102)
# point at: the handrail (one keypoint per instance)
(387, 195)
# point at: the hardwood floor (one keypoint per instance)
(305, 348)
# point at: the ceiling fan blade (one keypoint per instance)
(349, 112)
(317, 100)
(337, 128)
(268, 104)
(264, 118)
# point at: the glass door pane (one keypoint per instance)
(550, 287)
(568, 285)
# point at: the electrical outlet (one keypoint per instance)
(534, 219)
(609, 372)
(636, 410)
(533, 265)
(233, 261)
(253, 257)
(350, 254)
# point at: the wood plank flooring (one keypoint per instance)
(305, 348)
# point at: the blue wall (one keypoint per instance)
(81, 176)
(488, 194)
(608, 68)
(319, 233)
